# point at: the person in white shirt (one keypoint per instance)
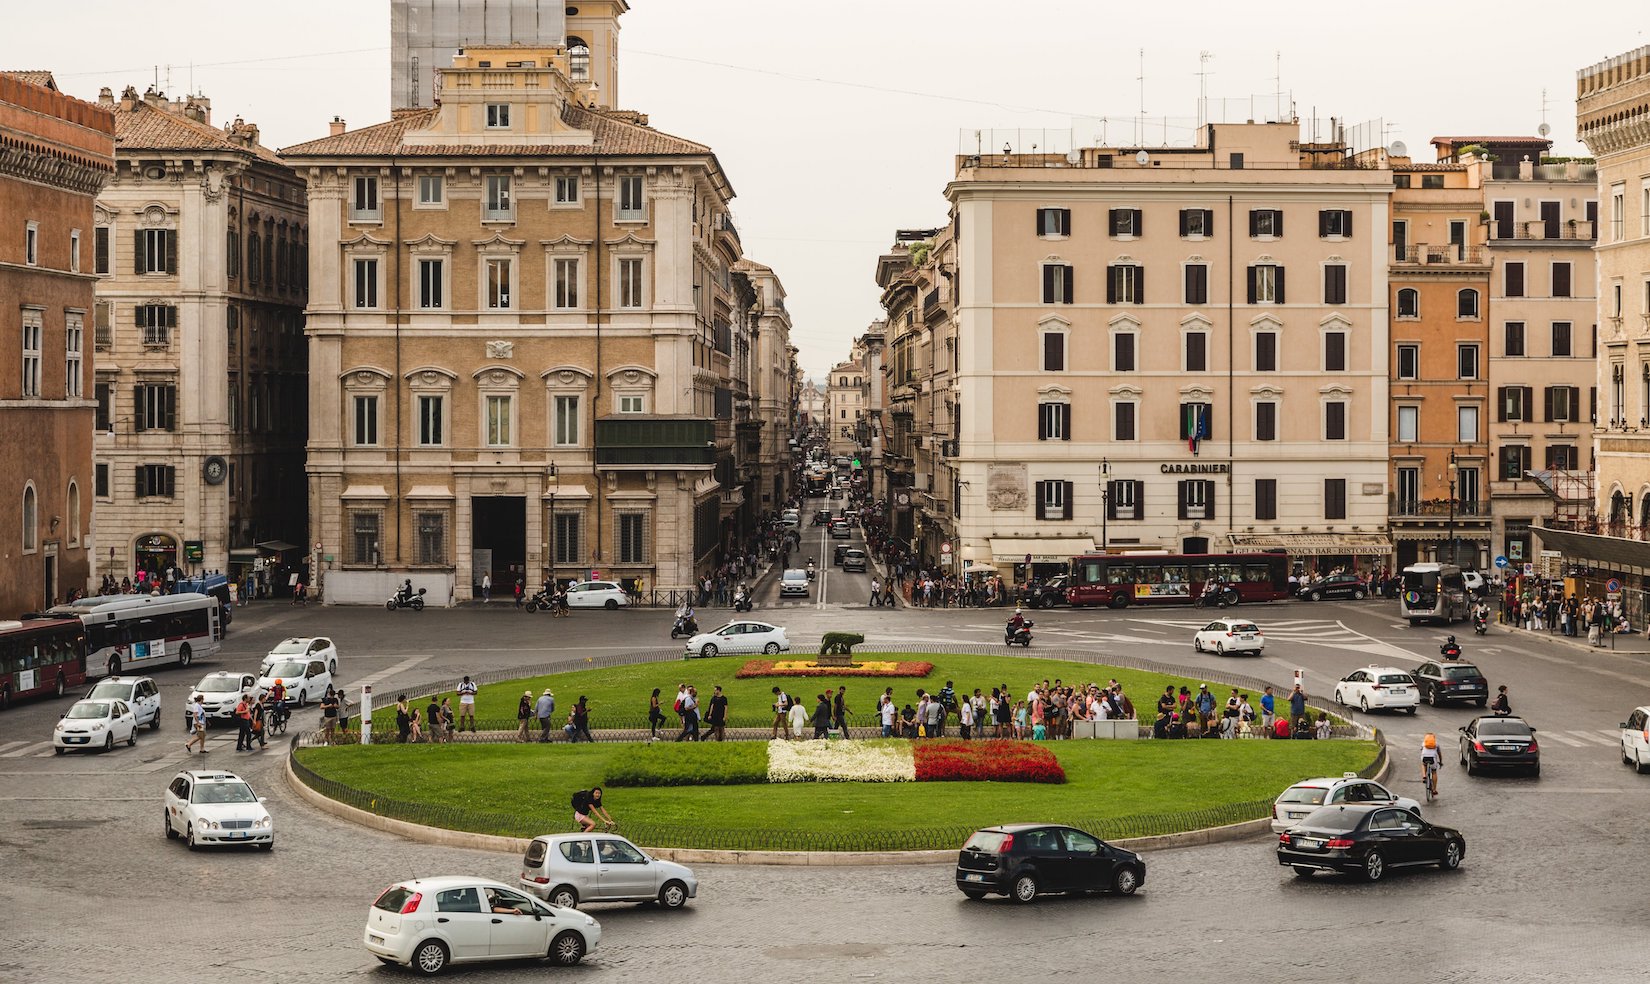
(885, 711)
(1104, 711)
(965, 719)
(467, 704)
(799, 719)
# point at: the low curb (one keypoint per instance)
(442, 837)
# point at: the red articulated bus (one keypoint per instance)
(1120, 580)
(41, 656)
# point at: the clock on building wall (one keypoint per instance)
(903, 498)
(215, 470)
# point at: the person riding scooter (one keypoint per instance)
(686, 624)
(1480, 618)
(1450, 649)
(1017, 624)
(810, 568)
(404, 593)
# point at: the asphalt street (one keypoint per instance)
(1551, 889)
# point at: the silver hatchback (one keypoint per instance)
(567, 870)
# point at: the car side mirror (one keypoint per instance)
(1622, 725)
(262, 800)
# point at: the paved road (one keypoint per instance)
(1551, 889)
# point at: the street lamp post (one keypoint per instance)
(1452, 470)
(1105, 501)
(552, 525)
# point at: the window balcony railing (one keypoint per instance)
(1418, 508)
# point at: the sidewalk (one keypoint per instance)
(1626, 643)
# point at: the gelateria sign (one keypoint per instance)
(1194, 468)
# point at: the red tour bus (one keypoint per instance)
(1120, 580)
(41, 656)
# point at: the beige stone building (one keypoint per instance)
(1134, 365)
(523, 323)
(845, 403)
(200, 251)
(771, 390)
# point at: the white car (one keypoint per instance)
(304, 681)
(794, 581)
(207, 807)
(305, 648)
(1378, 688)
(429, 923)
(597, 594)
(219, 693)
(138, 693)
(1229, 635)
(1475, 582)
(95, 724)
(739, 637)
(569, 870)
(1635, 739)
(792, 518)
(1303, 797)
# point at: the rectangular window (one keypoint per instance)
(366, 283)
(1514, 460)
(1122, 351)
(498, 205)
(1409, 303)
(1265, 222)
(1197, 222)
(1266, 498)
(567, 284)
(1054, 222)
(1197, 499)
(1466, 425)
(1334, 498)
(100, 480)
(1513, 332)
(1266, 351)
(1409, 362)
(1054, 351)
(632, 538)
(32, 330)
(1409, 425)
(31, 243)
(363, 203)
(100, 250)
(1125, 284)
(155, 407)
(498, 421)
(1053, 421)
(1432, 181)
(1466, 362)
(1123, 499)
(1057, 283)
(74, 331)
(103, 332)
(234, 404)
(366, 421)
(1197, 351)
(156, 480)
(432, 537)
(1563, 403)
(1266, 421)
(430, 285)
(1054, 500)
(567, 421)
(1335, 223)
(1334, 351)
(155, 323)
(431, 189)
(431, 430)
(498, 283)
(1334, 283)
(156, 251)
(1197, 283)
(1196, 420)
(498, 116)
(568, 529)
(1466, 305)
(1561, 457)
(1561, 279)
(1400, 241)
(567, 189)
(630, 197)
(104, 393)
(1466, 490)
(1125, 222)
(364, 538)
(630, 282)
(1266, 284)
(1124, 413)
(1561, 339)
(1334, 420)
(74, 250)
(1513, 280)
(1408, 490)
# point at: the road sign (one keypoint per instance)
(1613, 586)
(1529, 570)
(1502, 562)
(945, 547)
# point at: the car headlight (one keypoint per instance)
(590, 920)
(98, 726)
(266, 822)
(60, 726)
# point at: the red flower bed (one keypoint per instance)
(985, 761)
(870, 668)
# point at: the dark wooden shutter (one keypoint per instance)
(1111, 285)
(1065, 222)
(1515, 280)
(1048, 284)
(1575, 403)
(1180, 493)
(1139, 285)
(1070, 276)
(1561, 280)
(1066, 496)
(171, 407)
(1037, 218)
(1208, 499)
(1501, 404)
(1065, 421)
(1254, 230)
(1547, 402)
(138, 422)
(137, 251)
(1277, 223)
(1111, 221)
(100, 240)
(142, 483)
(1323, 223)
(1208, 222)
(1251, 284)
(1139, 225)
(1042, 513)
(1280, 284)
(1346, 223)
(1184, 214)
(1042, 421)
(171, 480)
(171, 251)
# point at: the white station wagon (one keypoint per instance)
(569, 869)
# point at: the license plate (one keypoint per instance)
(376, 938)
(1506, 748)
(975, 878)
(75, 741)
(1248, 638)
(1308, 844)
(240, 833)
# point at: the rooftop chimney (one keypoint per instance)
(338, 126)
(106, 97)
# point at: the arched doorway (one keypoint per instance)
(154, 553)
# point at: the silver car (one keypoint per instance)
(569, 869)
(793, 582)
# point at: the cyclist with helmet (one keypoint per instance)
(1430, 760)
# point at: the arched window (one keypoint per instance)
(1466, 303)
(74, 513)
(1409, 303)
(578, 61)
(31, 520)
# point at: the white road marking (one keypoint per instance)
(1589, 736)
(8, 746)
(388, 671)
(1561, 739)
(33, 748)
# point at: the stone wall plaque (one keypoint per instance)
(1005, 487)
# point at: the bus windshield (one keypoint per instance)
(1421, 580)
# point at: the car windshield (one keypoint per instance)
(393, 898)
(89, 709)
(1311, 795)
(986, 841)
(222, 792)
(109, 688)
(290, 646)
(291, 668)
(1397, 678)
(1503, 729)
(1461, 672)
(219, 684)
(796, 575)
(1332, 818)
(856, 554)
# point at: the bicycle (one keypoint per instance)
(1429, 778)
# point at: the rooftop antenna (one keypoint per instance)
(1203, 58)
(1544, 129)
(1277, 80)
(1140, 117)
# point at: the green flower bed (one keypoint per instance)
(688, 764)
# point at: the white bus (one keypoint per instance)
(1433, 593)
(132, 633)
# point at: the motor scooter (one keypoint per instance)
(1480, 623)
(686, 625)
(413, 601)
(539, 602)
(1018, 635)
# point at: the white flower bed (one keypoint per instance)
(839, 761)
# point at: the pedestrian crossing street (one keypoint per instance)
(1572, 739)
(1325, 631)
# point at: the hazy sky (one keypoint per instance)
(837, 122)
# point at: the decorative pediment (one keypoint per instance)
(1053, 322)
(497, 243)
(431, 243)
(1336, 389)
(1336, 322)
(366, 242)
(1267, 389)
(1125, 322)
(365, 376)
(429, 377)
(567, 244)
(1127, 389)
(630, 242)
(1196, 322)
(571, 376)
(497, 375)
(1054, 390)
(1266, 322)
(632, 375)
(1197, 389)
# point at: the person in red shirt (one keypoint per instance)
(1280, 727)
(243, 720)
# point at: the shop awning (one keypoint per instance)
(277, 546)
(1008, 551)
(1615, 553)
(243, 555)
(1314, 544)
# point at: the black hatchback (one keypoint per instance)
(1334, 586)
(1368, 841)
(1497, 742)
(1450, 680)
(1024, 861)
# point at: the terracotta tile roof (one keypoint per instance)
(35, 76)
(614, 133)
(144, 127)
(1490, 140)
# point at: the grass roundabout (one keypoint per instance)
(748, 795)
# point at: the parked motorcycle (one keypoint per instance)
(1018, 635)
(399, 600)
(685, 626)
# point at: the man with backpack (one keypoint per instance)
(781, 713)
(687, 705)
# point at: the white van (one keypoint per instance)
(1635, 739)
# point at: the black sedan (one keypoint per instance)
(1494, 742)
(1368, 841)
(1024, 861)
(1440, 682)
(1334, 586)
(1048, 594)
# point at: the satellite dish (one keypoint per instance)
(1543, 129)
(1398, 149)
(1141, 158)
(1074, 157)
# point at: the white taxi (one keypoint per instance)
(429, 924)
(597, 594)
(138, 693)
(304, 681)
(739, 637)
(1303, 797)
(1378, 688)
(219, 693)
(95, 724)
(305, 648)
(208, 807)
(1229, 635)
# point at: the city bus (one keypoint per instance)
(133, 633)
(1433, 593)
(41, 656)
(1120, 580)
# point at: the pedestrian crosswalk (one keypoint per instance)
(43, 749)
(1570, 739)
